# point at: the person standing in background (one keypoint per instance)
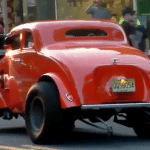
(2, 36)
(99, 12)
(136, 34)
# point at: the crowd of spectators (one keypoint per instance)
(135, 32)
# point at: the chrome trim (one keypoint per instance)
(71, 100)
(115, 106)
(114, 60)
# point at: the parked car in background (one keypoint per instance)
(2, 50)
(1, 26)
(2, 37)
(56, 72)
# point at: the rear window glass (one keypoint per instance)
(85, 33)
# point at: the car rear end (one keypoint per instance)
(110, 77)
(121, 91)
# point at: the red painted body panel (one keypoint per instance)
(2, 102)
(81, 66)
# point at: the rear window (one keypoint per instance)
(85, 33)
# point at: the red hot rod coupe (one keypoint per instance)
(55, 72)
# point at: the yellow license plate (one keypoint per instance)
(123, 85)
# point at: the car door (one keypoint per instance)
(28, 54)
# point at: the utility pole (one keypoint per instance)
(56, 9)
(5, 16)
(135, 5)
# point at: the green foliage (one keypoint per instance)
(143, 7)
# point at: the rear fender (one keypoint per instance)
(63, 90)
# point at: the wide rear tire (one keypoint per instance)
(142, 130)
(43, 114)
(141, 123)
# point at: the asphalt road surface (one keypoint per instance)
(13, 137)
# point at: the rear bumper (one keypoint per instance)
(116, 107)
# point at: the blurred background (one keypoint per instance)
(15, 12)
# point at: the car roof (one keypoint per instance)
(54, 31)
(67, 23)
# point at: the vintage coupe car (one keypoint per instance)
(55, 72)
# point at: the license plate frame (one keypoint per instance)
(127, 86)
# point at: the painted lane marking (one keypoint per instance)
(28, 147)
(39, 147)
(11, 148)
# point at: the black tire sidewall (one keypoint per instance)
(141, 123)
(49, 97)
